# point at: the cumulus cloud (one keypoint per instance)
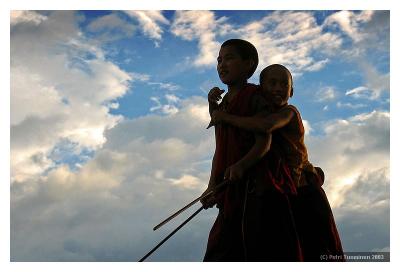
(367, 204)
(354, 154)
(145, 168)
(357, 145)
(152, 165)
(149, 167)
(55, 70)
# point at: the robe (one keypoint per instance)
(255, 220)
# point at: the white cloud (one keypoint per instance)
(350, 22)
(349, 149)
(201, 26)
(189, 182)
(370, 34)
(366, 203)
(307, 127)
(327, 93)
(51, 83)
(167, 86)
(153, 165)
(111, 27)
(25, 16)
(375, 81)
(294, 39)
(354, 154)
(357, 92)
(148, 168)
(170, 107)
(139, 76)
(350, 105)
(289, 38)
(150, 22)
(376, 84)
(109, 21)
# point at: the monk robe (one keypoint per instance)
(312, 212)
(255, 220)
(315, 222)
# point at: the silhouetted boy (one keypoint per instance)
(314, 219)
(255, 220)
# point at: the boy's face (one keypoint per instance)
(277, 85)
(231, 67)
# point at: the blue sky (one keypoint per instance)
(108, 117)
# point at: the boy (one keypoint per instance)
(239, 226)
(312, 212)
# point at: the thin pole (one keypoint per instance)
(219, 186)
(172, 233)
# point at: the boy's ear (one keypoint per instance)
(291, 92)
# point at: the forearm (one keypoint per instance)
(260, 123)
(254, 124)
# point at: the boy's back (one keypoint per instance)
(290, 138)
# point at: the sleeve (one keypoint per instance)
(297, 122)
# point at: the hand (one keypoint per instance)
(209, 201)
(217, 117)
(214, 95)
(234, 172)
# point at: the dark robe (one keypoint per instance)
(315, 222)
(313, 215)
(255, 220)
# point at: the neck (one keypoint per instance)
(236, 86)
(278, 107)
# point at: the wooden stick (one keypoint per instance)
(219, 186)
(172, 233)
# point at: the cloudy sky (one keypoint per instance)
(108, 117)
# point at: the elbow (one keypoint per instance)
(267, 130)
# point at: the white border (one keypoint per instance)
(6, 6)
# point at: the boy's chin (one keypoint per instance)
(228, 81)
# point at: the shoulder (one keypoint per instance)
(296, 121)
(291, 109)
